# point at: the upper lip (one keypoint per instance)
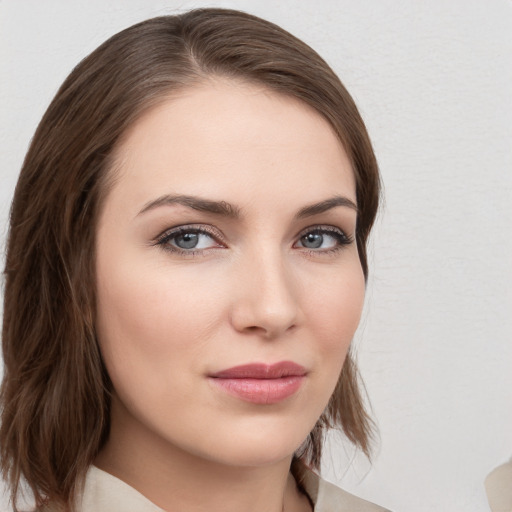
(262, 371)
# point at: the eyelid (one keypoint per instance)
(342, 241)
(198, 228)
(325, 228)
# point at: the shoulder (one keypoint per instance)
(328, 497)
(103, 492)
(498, 486)
(333, 499)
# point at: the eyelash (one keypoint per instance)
(341, 237)
(164, 239)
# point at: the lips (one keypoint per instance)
(260, 383)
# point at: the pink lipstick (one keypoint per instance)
(261, 383)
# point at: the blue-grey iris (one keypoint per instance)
(187, 240)
(312, 240)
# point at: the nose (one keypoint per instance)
(265, 301)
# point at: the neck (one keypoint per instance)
(175, 479)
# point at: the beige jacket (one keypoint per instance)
(498, 486)
(106, 493)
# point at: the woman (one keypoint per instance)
(185, 271)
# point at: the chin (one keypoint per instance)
(255, 455)
(256, 445)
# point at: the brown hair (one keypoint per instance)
(55, 396)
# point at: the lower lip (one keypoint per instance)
(261, 391)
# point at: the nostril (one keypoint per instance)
(255, 328)
(269, 331)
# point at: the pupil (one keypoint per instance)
(313, 240)
(187, 240)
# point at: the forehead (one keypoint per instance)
(225, 136)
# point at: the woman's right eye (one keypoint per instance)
(188, 240)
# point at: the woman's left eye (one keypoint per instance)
(324, 240)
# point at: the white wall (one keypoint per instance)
(433, 82)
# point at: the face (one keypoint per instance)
(228, 280)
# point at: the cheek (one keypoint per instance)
(335, 307)
(153, 317)
(334, 311)
(143, 312)
(150, 337)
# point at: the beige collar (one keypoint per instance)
(104, 492)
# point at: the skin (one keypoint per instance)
(255, 290)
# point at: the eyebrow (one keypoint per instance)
(226, 209)
(196, 203)
(323, 206)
